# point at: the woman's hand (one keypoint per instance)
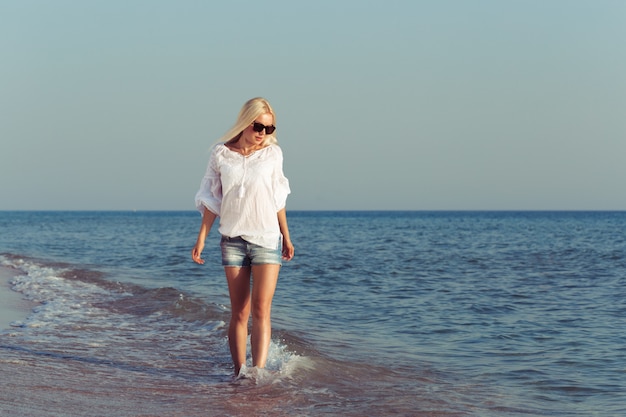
(288, 250)
(284, 230)
(207, 221)
(196, 253)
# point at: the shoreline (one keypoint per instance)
(13, 307)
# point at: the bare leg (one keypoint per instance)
(265, 278)
(239, 290)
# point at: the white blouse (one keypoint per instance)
(246, 192)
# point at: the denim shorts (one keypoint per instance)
(238, 252)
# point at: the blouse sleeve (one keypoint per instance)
(210, 193)
(280, 183)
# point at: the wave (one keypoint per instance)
(91, 330)
(82, 313)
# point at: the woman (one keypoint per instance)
(245, 187)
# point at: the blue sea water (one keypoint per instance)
(379, 313)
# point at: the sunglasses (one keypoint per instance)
(258, 127)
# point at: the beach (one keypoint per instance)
(39, 382)
(13, 306)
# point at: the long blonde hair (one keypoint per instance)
(252, 109)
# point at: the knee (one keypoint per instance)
(261, 312)
(240, 316)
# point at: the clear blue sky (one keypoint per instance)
(425, 105)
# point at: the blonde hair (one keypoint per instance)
(252, 109)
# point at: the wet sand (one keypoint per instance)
(13, 307)
(42, 382)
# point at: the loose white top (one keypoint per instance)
(246, 192)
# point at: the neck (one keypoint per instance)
(248, 149)
(245, 150)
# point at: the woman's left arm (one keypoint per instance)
(288, 250)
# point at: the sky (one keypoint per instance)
(381, 105)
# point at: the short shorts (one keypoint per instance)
(238, 252)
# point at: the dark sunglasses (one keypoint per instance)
(258, 127)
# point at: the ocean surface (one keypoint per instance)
(379, 314)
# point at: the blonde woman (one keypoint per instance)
(245, 187)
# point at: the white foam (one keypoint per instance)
(281, 365)
(73, 318)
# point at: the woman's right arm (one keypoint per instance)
(208, 218)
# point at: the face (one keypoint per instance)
(252, 138)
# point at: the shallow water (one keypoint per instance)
(380, 313)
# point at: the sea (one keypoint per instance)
(380, 313)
